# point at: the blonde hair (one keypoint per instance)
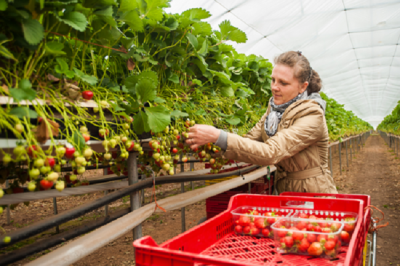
(302, 69)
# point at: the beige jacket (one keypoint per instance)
(299, 149)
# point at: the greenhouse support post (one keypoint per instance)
(183, 216)
(134, 197)
(8, 209)
(55, 211)
(105, 172)
(351, 152)
(330, 160)
(191, 169)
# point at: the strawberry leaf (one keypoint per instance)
(74, 19)
(158, 118)
(33, 31)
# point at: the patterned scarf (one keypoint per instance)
(275, 116)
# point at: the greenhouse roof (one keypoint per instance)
(352, 44)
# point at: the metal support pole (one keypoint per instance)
(183, 216)
(55, 211)
(134, 197)
(192, 169)
(347, 158)
(105, 172)
(330, 160)
(340, 158)
(8, 209)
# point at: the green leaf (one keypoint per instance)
(22, 112)
(158, 118)
(204, 49)
(197, 82)
(139, 121)
(128, 5)
(92, 80)
(3, 5)
(33, 31)
(229, 32)
(174, 78)
(74, 19)
(200, 112)
(106, 12)
(6, 53)
(193, 40)
(24, 92)
(233, 121)
(25, 84)
(145, 91)
(78, 140)
(227, 91)
(154, 9)
(196, 14)
(55, 48)
(63, 66)
(159, 100)
(177, 114)
(116, 107)
(202, 28)
(132, 19)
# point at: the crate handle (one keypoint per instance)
(297, 204)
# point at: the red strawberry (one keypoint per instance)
(333, 238)
(310, 227)
(254, 230)
(326, 230)
(348, 227)
(322, 238)
(329, 245)
(246, 229)
(244, 220)
(300, 225)
(315, 249)
(282, 233)
(311, 238)
(298, 236)
(303, 215)
(260, 223)
(87, 95)
(288, 242)
(304, 245)
(345, 236)
(335, 227)
(317, 229)
(265, 232)
(238, 229)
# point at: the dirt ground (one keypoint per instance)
(374, 171)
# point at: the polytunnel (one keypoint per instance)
(352, 44)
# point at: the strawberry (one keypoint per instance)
(331, 253)
(254, 230)
(298, 236)
(238, 229)
(326, 230)
(348, 227)
(335, 227)
(69, 152)
(260, 223)
(333, 238)
(244, 220)
(282, 233)
(287, 242)
(31, 149)
(311, 238)
(301, 225)
(317, 229)
(303, 216)
(265, 232)
(87, 95)
(345, 236)
(315, 249)
(246, 230)
(45, 184)
(304, 245)
(310, 227)
(271, 220)
(50, 162)
(329, 245)
(254, 212)
(322, 238)
(174, 150)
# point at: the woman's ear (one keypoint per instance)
(303, 87)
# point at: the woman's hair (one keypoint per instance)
(302, 69)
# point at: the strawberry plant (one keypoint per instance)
(390, 123)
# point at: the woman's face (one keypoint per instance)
(284, 85)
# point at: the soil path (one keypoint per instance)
(376, 171)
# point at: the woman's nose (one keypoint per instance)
(274, 87)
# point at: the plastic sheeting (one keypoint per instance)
(352, 44)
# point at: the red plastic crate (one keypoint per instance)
(214, 242)
(366, 220)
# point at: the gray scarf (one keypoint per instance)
(274, 117)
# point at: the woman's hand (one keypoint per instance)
(202, 134)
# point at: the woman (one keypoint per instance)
(293, 131)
